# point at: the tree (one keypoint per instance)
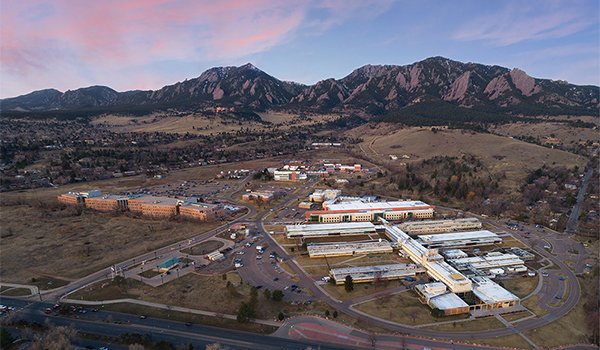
(216, 346)
(245, 313)
(280, 316)
(277, 295)
(267, 294)
(327, 313)
(349, 284)
(5, 338)
(335, 314)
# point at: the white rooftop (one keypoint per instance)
(331, 227)
(491, 292)
(455, 236)
(360, 205)
(447, 301)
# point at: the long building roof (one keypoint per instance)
(331, 227)
(456, 236)
(393, 205)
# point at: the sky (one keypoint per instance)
(146, 44)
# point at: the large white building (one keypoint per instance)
(348, 248)
(289, 175)
(371, 211)
(323, 230)
(492, 260)
(460, 239)
(361, 274)
(492, 295)
(437, 226)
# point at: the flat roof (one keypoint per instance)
(154, 199)
(456, 236)
(491, 292)
(372, 269)
(440, 222)
(447, 301)
(331, 227)
(360, 205)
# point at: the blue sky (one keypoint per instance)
(145, 44)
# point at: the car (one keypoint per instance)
(276, 279)
(142, 317)
(558, 297)
(562, 278)
(48, 310)
(189, 324)
(258, 287)
(103, 348)
(545, 274)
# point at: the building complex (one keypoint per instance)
(360, 210)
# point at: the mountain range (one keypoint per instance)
(370, 90)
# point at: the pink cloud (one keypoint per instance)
(96, 37)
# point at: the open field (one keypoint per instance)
(193, 124)
(568, 135)
(533, 306)
(480, 324)
(516, 316)
(283, 119)
(192, 291)
(508, 341)
(515, 158)
(53, 241)
(403, 308)
(360, 289)
(521, 286)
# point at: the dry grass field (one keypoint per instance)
(480, 324)
(193, 124)
(567, 134)
(204, 125)
(360, 289)
(55, 242)
(521, 287)
(499, 154)
(191, 291)
(514, 341)
(283, 119)
(403, 308)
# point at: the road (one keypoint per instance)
(107, 323)
(571, 227)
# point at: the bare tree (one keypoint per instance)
(216, 346)
(136, 347)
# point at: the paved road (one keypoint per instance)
(571, 227)
(115, 324)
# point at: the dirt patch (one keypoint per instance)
(203, 248)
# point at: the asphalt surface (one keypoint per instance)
(571, 226)
(105, 323)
